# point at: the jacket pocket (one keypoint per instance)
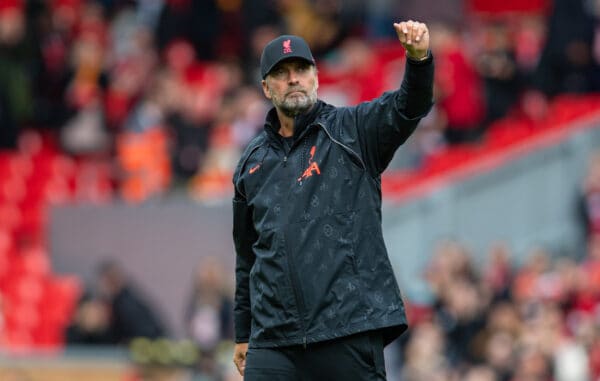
(323, 257)
(274, 312)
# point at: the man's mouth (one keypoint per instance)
(295, 93)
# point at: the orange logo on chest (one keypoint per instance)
(253, 169)
(313, 167)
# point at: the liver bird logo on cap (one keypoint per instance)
(287, 46)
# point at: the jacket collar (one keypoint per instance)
(301, 122)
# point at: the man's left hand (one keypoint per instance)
(414, 36)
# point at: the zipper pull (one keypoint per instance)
(304, 342)
(284, 160)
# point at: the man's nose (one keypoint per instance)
(293, 77)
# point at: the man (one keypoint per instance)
(316, 297)
(131, 315)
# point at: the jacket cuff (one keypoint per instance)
(418, 62)
(242, 328)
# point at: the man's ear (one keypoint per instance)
(265, 89)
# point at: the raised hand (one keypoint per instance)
(414, 36)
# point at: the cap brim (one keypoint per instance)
(287, 58)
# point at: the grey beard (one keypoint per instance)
(297, 106)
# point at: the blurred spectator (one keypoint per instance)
(142, 146)
(449, 262)
(197, 90)
(209, 312)
(132, 68)
(424, 355)
(131, 315)
(317, 21)
(567, 63)
(91, 323)
(532, 365)
(241, 116)
(197, 21)
(590, 276)
(527, 41)
(378, 18)
(500, 353)
(461, 315)
(589, 198)
(496, 63)
(85, 132)
(525, 289)
(9, 130)
(16, 69)
(497, 273)
(459, 90)
(249, 106)
(258, 38)
(209, 315)
(257, 15)
(461, 303)
(55, 34)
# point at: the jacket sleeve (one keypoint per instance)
(385, 123)
(244, 236)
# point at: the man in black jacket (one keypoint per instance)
(316, 297)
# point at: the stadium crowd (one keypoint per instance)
(166, 92)
(535, 322)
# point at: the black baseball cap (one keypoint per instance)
(281, 48)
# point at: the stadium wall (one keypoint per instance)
(527, 201)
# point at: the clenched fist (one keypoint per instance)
(414, 36)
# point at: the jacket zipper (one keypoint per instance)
(296, 287)
(300, 305)
(348, 149)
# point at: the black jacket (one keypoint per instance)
(311, 262)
